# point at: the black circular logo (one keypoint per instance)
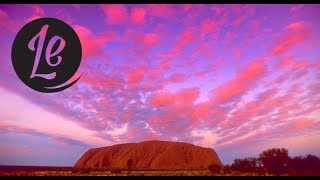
(46, 53)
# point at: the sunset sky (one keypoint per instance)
(236, 78)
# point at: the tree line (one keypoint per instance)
(274, 161)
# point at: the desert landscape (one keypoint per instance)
(160, 89)
(164, 158)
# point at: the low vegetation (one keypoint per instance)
(274, 161)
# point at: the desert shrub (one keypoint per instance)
(304, 165)
(312, 162)
(215, 168)
(297, 164)
(227, 169)
(275, 160)
(245, 165)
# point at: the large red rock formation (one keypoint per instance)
(157, 155)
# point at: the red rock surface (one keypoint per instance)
(157, 155)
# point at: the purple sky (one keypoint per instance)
(236, 78)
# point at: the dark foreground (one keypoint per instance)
(71, 171)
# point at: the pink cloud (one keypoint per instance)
(296, 8)
(136, 75)
(138, 15)
(62, 15)
(182, 97)
(218, 10)
(266, 103)
(314, 87)
(242, 12)
(169, 120)
(152, 136)
(242, 120)
(201, 111)
(303, 123)
(186, 37)
(3, 15)
(285, 64)
(65, 128)
(38, 10)
(115, 13)
(156, 120)
(301, 64)
(268, 95)
(272, 103)
(164, 98)
(300, 74)
(203, 48)
(207, 138)
(294, 34)
(239, 117)
(236, 53)
(241, 83)
(187, 96)
(207, 26)
(231, 35)
(152, 75)
(165, 64)
(92, 45)
(295, 90)
(33, 17)
(280, 80)
(253, 70)
(150, 39)
(254, 26)
(177, 77)
(186, 7)
(210, 70)
(6, 22)
(161, 10)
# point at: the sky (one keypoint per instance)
(236, 78)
